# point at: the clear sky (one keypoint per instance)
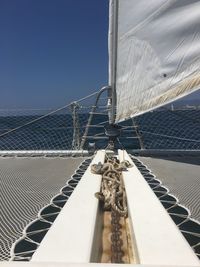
(51, 51)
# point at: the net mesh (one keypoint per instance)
(44, 129)
(170, 129)
(26, 186)
(181, 216)
(77, 125)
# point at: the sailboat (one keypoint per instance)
(114, 209)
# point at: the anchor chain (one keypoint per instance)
(113, 197)
(116, 240)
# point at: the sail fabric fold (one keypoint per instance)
(157, 53)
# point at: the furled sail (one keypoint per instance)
(154, 53)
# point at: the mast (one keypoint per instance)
(113, 40)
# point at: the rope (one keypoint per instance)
(112, 192)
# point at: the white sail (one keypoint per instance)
(154, 53)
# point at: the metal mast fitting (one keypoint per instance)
(113, 131)
(102, 90)
(76, 126)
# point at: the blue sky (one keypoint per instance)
(51, 51)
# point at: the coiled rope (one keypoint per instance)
(112, 192)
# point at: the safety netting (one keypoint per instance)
(79, 124)
(33, 191)
(185, 217)
(54, 129)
